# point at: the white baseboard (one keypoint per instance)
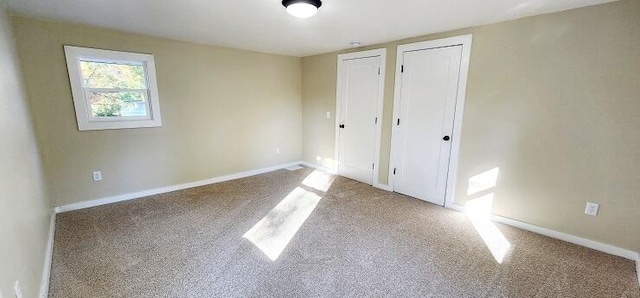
(638, 267)
(382, 186)
(606, 248)
(335, 172)
(319, 167)
(146, 193)
(455, 207)
(48, 257)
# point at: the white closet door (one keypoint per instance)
(423, 127)
(358, 108)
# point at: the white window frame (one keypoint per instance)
(84, 115)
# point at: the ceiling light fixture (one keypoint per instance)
(302, 8)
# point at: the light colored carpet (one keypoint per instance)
(357, 241)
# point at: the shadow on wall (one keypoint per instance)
(273, 233)
(479, 211)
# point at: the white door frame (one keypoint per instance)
(379, 109)
(465, 42)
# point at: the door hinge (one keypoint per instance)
(402, 68)
(376, 121)
(394, 171)
(378, 70)
(398, 121)
(373, 166)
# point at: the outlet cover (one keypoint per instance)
(97, 176)
(592, 209)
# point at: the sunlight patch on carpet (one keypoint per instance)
(479, 212)
(273, 233)
(319, 180)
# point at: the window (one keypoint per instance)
(113, 90)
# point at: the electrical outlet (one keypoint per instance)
(328, 114)
(17, 290)
(278, 150)
(97, 176)
(592, 209)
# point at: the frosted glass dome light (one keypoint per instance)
(302, 8)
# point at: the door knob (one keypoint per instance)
(446, 138)
(341, 125)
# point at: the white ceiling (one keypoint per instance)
(264, 25)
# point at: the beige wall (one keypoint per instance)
(553, 101)
(24, 208)
(223, 111)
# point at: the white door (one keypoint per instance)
(359, 104)
(424, 119)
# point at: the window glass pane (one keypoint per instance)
(112, 75)
(118, 104)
